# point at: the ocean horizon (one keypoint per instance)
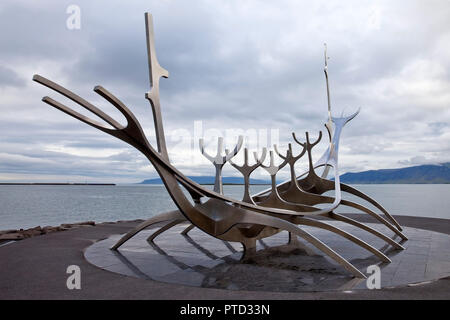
(27, 206)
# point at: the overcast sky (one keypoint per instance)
(247, 65)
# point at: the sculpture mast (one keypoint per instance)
(155, 72)
(329, 124)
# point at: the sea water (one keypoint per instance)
(25, 206)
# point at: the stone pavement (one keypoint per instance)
(35, 268)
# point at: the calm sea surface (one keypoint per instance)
(30, 206)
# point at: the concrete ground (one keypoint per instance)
(35, 268)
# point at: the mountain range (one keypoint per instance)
(210, 180)
(430, 173)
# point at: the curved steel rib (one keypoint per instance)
(164, 228)
(159, 218)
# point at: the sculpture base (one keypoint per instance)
(203, 261)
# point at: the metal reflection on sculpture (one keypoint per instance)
(287, 206)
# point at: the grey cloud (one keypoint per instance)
(437, 128)
(417, 160)
(10, 78)
(253, 66)
(37, 31)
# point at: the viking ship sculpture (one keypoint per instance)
(284, 207)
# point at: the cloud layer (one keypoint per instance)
(246, 65)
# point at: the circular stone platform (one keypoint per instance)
(203, 261)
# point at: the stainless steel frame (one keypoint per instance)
(286, 206)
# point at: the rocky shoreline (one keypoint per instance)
(19, 234)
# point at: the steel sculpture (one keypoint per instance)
(286, 206)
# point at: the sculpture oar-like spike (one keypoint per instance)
(362, 226)
(254, 218)
(359, 194)
(345, 234)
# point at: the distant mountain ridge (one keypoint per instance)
(210, 180)
(430, 173)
